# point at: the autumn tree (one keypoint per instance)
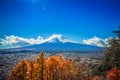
(113, 74)
(20, 72)
(32, 70)
(95, 78)
(72, 69)
(52, 68)
(41, 62)
(61, 69)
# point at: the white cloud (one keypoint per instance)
(56, 36)
(12, 40)
(16, 41)
(96, 41)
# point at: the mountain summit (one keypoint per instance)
(55, 42)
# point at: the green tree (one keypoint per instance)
(112, 55)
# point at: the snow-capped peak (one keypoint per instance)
(57, 38)
(16, 41)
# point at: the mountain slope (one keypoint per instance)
(67, 46)
(55, 45)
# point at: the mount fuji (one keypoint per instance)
(56, 44)
(60, 46)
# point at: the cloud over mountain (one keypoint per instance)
(13, 41)
(96, 41)
(17, 41)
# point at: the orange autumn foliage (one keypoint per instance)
(32, 70)
(41, 65)
(55, 68)
(51, 68)
(20, 72)
(113, 74)
(96, 78)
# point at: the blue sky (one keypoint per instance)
(75, 19)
